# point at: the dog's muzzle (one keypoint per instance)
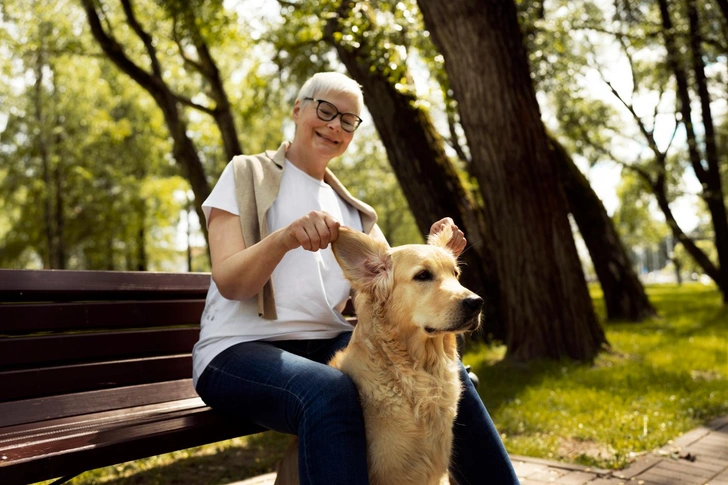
(472, 306)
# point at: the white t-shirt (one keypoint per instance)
(309, 286)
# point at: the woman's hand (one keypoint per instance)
(312, 232)
(457, 242)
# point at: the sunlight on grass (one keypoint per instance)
(662, 378)
(218, 463)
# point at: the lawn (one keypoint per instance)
(661, 379)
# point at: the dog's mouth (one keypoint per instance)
(467, 326)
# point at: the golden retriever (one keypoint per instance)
(402, 355)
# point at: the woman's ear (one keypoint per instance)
(296, 111)
(366, 262)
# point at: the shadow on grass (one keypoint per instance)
(259, 455)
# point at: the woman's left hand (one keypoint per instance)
(457, 242)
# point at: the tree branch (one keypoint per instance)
(683, 94)
(635, 80)
(188, 102)
(114, 50)
(454, 140)
(146, 38)
(187, 60)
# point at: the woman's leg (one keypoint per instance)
(294, 394)
(479, 457)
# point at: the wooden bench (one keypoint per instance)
(95, 370)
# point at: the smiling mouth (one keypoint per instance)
(326, 138)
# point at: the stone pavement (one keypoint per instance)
(699, 457)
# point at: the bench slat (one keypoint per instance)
(56, 317)
(126, 440)
(33, 434)
(63, 285)
(26, 384)
(78, 348)
(67, 405)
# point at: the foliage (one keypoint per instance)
(112, 152)
(103, 147)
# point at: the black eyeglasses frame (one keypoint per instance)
(337, 113)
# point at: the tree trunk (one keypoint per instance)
(713, 193)
(624, 294)
(141, 248)
(60, 219)
(45, 159)
(544, 298)
(709, 177)
(428, 178)
(183, 148)
(207, 67)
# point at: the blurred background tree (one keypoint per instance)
(115, 111)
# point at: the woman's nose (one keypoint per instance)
(335, 123)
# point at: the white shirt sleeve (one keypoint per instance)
(222, 195)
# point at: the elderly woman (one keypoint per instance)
(272, 318)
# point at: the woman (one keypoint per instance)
(272, 317)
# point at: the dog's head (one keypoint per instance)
(415, 285)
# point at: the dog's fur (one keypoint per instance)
(403, 355)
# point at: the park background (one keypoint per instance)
(581, 145)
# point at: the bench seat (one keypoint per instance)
(55, 445)
(94, 371)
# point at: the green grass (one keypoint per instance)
(662, 378)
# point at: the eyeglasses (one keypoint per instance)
(327, 112)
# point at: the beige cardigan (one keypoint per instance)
(257, 181)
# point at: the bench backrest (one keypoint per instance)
(74, 342)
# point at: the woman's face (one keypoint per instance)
(323, 139)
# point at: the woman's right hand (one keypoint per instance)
(239, 272)
(312, 232)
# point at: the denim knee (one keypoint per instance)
(335, 403)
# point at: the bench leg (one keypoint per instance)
(65, 479)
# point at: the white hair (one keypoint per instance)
(323, 83)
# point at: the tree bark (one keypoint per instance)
(544, 298)
(428, 178)
(183, 148)
(624, 295)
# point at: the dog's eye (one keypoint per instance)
(423, 275)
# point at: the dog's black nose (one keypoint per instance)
(473, 303)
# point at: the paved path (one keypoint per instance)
(699, 457)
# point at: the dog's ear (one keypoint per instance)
(366, 262)
(441, 238)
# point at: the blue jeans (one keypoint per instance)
(286, 386)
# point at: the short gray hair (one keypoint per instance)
(323, 83)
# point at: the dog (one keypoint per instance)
(403, 355)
